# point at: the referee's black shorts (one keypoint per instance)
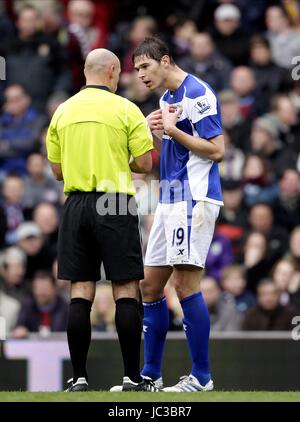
(87, 238)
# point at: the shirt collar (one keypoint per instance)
(96, 86)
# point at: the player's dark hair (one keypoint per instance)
(153, 48)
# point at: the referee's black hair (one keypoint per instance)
(153, 48)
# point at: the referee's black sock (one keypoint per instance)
(129, 328)
(79, 335)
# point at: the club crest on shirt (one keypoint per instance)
(203, 106)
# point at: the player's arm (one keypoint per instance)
(213, 149)
(155, 124)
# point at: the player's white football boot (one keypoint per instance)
(189, 384)
(129, 385)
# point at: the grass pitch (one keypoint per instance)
(104, 396)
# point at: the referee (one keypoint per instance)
(90, 141)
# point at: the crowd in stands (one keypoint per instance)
(249, 52)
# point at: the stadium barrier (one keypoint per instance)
(239, 361)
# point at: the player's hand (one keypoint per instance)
(170, 115)
(154, 120)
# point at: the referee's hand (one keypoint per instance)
(154, 120)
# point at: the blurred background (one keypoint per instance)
(248, 52)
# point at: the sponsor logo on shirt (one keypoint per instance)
(203, 106)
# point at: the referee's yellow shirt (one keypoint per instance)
(92, 135)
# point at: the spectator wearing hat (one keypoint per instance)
(39, 256)
(44, 311)
(12, 273)
(231, 41)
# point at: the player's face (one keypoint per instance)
(150, 72)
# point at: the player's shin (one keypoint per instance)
(155, 327)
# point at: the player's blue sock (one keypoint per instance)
(197, 325)
(156, 324)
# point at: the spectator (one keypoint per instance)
(284, 118)
(233, 281)
(9, 310)
(268, 314)
(206, 63)
(286, 278)
(294, 251)
(20, 128)
(233, 216)
(81, 14)
(228, 33)
(142, 26)
(287, 206)
(39, 186)
(46, 217)
(12, 203)
(221, 306)
(40, 57)
(219, 255)
(255, 259)
(103, 309)
(259, 185)
(12, 273)
(233, 162)
(39, 255)
(261, 219)
(269, 77)
(243, 84)
(43, 312)
(185, 30)
(236, 125)
(264, 140)
(55, 24)
(283, 38)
